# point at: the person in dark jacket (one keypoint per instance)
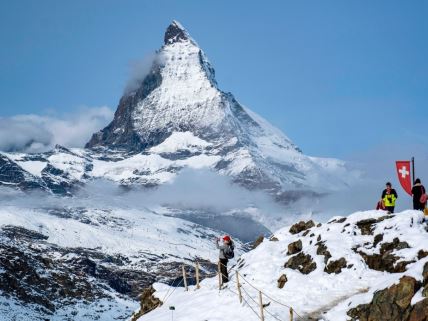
(389, 197)
(223, 257)
(417, 191)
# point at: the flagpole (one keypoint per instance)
(413, 170)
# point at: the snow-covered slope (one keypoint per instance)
(72, 262)
(336, 267)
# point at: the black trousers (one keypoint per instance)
(390, 209)
(223, 270)
(418, 206)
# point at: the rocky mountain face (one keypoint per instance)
(177, 117)
(368, 266)
(91, 263)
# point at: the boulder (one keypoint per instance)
(386, 260)
(148, 302)
(282, 280)
(366, 226)
(336, 266)
(422, 254)
(294, 247)
(258, 241)
(301, 226)
(322, 250)
(419, 311)
(390, 304)
(425, 274)
(301, 262)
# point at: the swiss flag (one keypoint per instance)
(403, 171)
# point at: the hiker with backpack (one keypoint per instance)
(389, 197)
(226, 252)
(419, 196)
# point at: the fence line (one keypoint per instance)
(183, 275)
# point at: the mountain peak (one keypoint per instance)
(175, 32)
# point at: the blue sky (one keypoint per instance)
(338, 77)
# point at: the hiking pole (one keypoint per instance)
(413, 170)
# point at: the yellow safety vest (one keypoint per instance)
(389, 200)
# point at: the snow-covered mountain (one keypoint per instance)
(64, 261)
(177, 117)
(67, 257)
(369, 266)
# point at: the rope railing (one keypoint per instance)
(242, 293)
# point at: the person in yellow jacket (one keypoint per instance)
(389, 197)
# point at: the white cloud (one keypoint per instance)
(138, 70)
(36, 133)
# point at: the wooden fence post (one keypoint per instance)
(262, 315)
(184, 277)
(197, 275)
(291, 314)
(239, 287)
(219, 275)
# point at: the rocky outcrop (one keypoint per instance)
(367, 226)
(258, 241)
(301, 262)
(391, 304)
(335, 266)
(419, 311)
(386, 260)
(322, 250)
(301, 226)
(282, 280)
(294, 247)
(148, 302)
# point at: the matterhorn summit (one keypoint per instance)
(178, 111)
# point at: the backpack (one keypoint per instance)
(229, 251)
(424, 197)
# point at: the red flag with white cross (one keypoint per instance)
(403, 171)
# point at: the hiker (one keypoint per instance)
(418, 191)
(225, 253)
(389, 197)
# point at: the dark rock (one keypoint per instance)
(422, 254)
(390, 304)
(305, 232)
(258, 241)
(11, 174)
(419, 311)
(273, 239)
(377, 239)
(425, 291)
(282, 280)
(175, 33)
(148, 302)
(301, 226)
(386, 260)
(366, 226)
(294, 247)
(335, 266)
(425, 274)
(322, 250)
(301, 262)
